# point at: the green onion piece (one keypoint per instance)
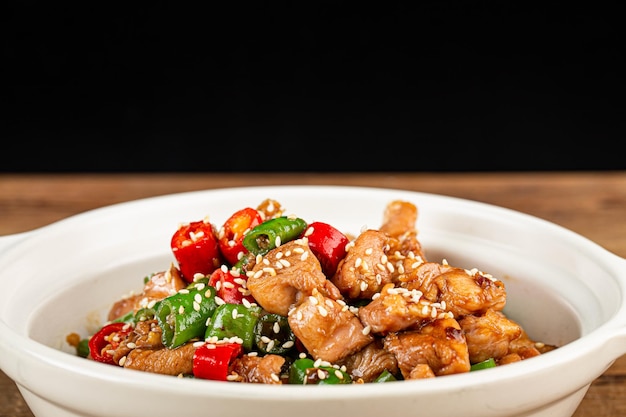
(486, 364)
(385, 376)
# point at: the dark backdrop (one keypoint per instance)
(312, 86)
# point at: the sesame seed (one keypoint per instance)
(274, 377)
(322, 311)
(219, 301)
(313, 300)
(366, 330)
(276, 327)
(196, 306)
(181, 310)
(258, 273)
(270, 346)
(277, 241)
(288, 344)
(122, 361)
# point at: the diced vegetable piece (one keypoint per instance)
(230, 285)
(211, 361)
(328, 244)
(385, 376)
(486, 364)
(196, 249)
(272, 334)
(232, 233)
(234, 320)
(304, 372)
(182, 316)
(272, 233)
(107, 338)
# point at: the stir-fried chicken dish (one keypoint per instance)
(273, 299)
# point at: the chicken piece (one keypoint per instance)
(365, 269)
(286, 275)
(489, 335)
(440, 344)
(523, 348)
(258, 369)
(399, 221)
(159, 286)
(459, 291)
(327, 328)
(269, 209)
(420, 276)
(178, 361)
(397, 309)
(368, 363)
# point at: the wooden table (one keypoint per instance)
(592, 204)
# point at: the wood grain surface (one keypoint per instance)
(592, 204)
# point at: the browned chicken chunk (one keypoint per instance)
(327, 328)
(365, 268)
(440, 345)
(178, 361)
(397, 309)
(284, 276)
(399, 221)
(368, 363)
(258, 369)
(460, 291)
(489, 335)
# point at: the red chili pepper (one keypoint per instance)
(230, 288)
(328, 244)
(233, 230)
(212, 361)
(196, 250)
(108, 338)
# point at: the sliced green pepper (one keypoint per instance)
(272, 334)
(385, 376)
(265, 236)
(304, 372)
(183, 316)
(486, 364)
(234, 320)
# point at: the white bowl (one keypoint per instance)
(562, 288)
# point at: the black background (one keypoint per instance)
(312, 86)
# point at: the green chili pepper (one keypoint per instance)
(230, 320)
(82, 349)
(272, 334)
(263, 237)
(146, 313)
(487, 363)
(126, 318)
(183, 316)
(385, 376)
(304, 372)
